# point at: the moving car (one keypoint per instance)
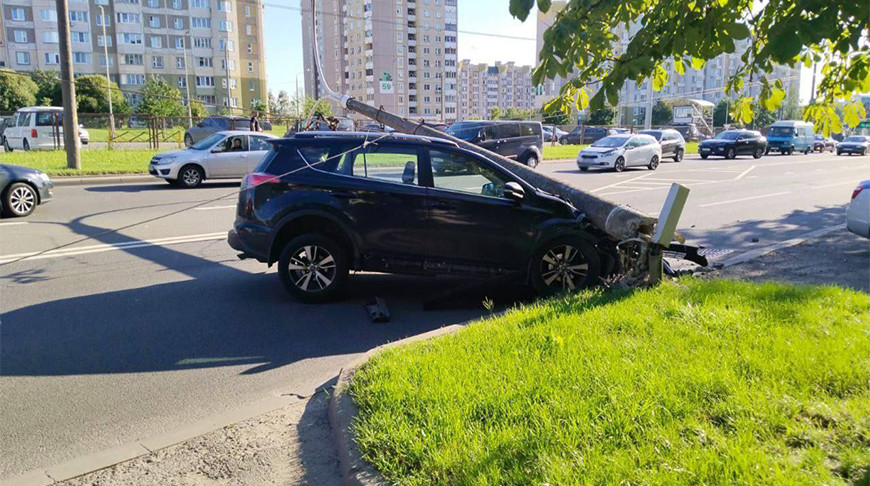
(551, 133)
(22, 189)
(210, 125)
(858, 211)
(854, 144)
(731, 143)
(673, 144)
(33, 128)
(224, 155)
(520, 140)
(589, 135)
(789, 136)
(323, 204)
(821, 144)
(620, 151)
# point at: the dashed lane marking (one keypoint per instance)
(742, 199)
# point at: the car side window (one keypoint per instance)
(259, 143)
(238, 143)
(23, 120)
(45, 119)
(461, 173)
(508, 130)
(383, 162)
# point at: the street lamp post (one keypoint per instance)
(108, 81)
(187, 79)
(227, 73)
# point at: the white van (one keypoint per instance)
(33, 128)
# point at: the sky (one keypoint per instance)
(284, 39)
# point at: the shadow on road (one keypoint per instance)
(159, 186)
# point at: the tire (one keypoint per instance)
(25, 145)
(704, 156)
(678, 155)
(731, 154)
(190, 176)
(619, 165)
(584, 169)
(532, 161)
(320, 268)
(188, 140)
(789, 151)
(653, 163)
(554, 268)
(562, 141)
(807, 151)
(839, 153)
(6, 145)
(758, 153)
(767, 151)
(19, 200)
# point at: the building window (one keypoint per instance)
(200, 22)
(103, 61)
(131, 39)
(128, 18)
(154, 3)
(21, 36)
(52, 58)
(204, 61)
(225, 26)
(22, 58)
(232, 64)
(179, 63)
(78, 16)
(182, 82)
(154, 21)
(101, 2)
(107, 40)
(247, 10)
(179, 42)
(248, 30)
(81, 58)
(224, 6)
(50, 37)
(205, 81)
(48, 15)
(250, 67)
(101, 20)
(18, 14)
(250, 85)
(176, 4)
(202, 42)
(199, 4)
(156, 42)
(178, 23)
(81, 37)
(225, 45)
(133, 59)
(250, 49)
(133, 79)
(157, 62)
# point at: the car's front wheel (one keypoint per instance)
(532, 161)
(313, 267)
(619, 165)
(564, 264)
(731, 154)
(20, 200)
(190, 176)
(653, 163)
(758, 153)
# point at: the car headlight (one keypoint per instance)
(165, 160)
(44, 177)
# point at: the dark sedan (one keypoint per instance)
(731, 143)
(854, 144)
(582, 135)
(23, 189)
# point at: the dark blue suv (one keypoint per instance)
(324, 203)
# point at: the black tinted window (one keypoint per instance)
(47, 118)
(285, 158)
(508, 130)
(530, 129)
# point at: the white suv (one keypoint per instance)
(33, 128)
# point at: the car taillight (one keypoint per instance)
(858, 190)
(33, 133)
(256, 178)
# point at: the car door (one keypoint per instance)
(472, 225)
(228, 159)
(633, 152)
(510, 140)
(668, 143)
(258, 147)
(745, 144)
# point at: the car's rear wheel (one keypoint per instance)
(678, 155)
(563, 141)
(25, 145)
(313, 267)
(532, 161)
(20, 200)
(758, 153)
(564, 264)
(653, 163)
(188, 140)
(704, 156)
(190, 176)
(731, 154)
(619, 165)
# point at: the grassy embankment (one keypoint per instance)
(94, 162)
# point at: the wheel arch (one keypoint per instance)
(551, 234)
(312, 221)
(205, 175)
(22, 181)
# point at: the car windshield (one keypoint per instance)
(656, 134)
(611, 142)
(855, 138)
(781, 132)
(465, 131)
(206, 143)
(728, 135)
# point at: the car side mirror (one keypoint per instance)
(481, 136)
(514, 191)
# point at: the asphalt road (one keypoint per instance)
(131, 334)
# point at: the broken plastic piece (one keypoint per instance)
(378, 311)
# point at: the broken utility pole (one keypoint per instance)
(68, 89)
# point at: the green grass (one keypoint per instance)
(559, 152)
(53, 162)
(693, 383)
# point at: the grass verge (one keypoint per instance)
(560, 152)
(699, 382)
(94, 162)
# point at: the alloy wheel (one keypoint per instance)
(191, 177)
(22, 199)
(654, 163)
(312, 268)
(564, 266)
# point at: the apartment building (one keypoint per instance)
(483, 87)
(214, 45)
(399, 54)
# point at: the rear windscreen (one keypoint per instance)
(284, 158)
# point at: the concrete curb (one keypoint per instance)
(126, 452)
(753, 254)
(101, 180)
(342, 411)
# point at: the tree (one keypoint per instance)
(662, 114)
(282, 104)
(720, 113)
(48, 82)
(602, 116)
(311, 107)
(197, 110)
(272, 102)
(91, 95)
(690, 32)
(16, 90)
(495, 113)
(791, 108)
(555, 118)
(762, 118)
(259, 105)
(161, 99)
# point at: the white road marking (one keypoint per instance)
(83, 250)
(620, 182)
(15, 223)
(750, 198)
(744, 173)
(851, 183)
(214, 207)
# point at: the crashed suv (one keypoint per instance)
(322, 204)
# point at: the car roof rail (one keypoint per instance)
(375, 135)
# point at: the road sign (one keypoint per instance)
(386, 83)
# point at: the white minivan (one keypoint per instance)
(33, 128)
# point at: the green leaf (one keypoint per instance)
(680, 67)
(544, 5)
(723, 3)
(582, 99)
(739, 31)
(660, 77)
(853, 113)
(773, 101)
(698, 63)
(521, 8)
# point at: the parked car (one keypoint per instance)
(520, 140)
(821, 144)
(22, 189)
(589, 135)
(213, 124)
(854, 144)
(323, 204)
(344, 124)
(441, 127)
(551, 133)
(33, 128)
(224, 155)
(4, 122)
(377, 128)
(689, 132)
(789, 136)
(731, 143)
(673, 144)
(858, 212)
(620, 151)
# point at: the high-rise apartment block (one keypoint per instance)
(399, 54)
(206, 43)
(483, 87)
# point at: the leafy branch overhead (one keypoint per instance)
(583, 45)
